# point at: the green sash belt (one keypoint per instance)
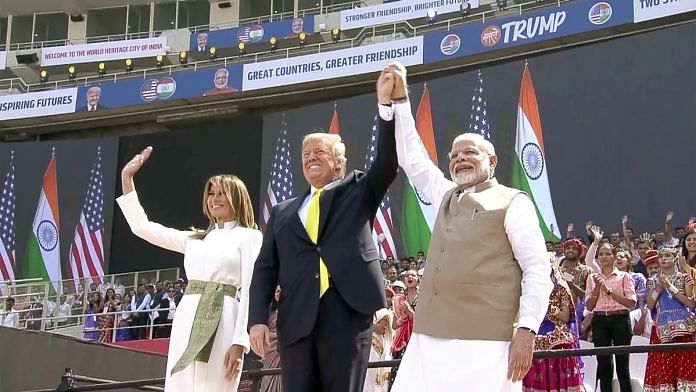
(205, 322)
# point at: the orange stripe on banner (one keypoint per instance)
(334, 127)
(50, 188)
(424, 125)
(528, 103)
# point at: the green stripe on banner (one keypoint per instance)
(519, 181)
(36, 268)
(415, 233)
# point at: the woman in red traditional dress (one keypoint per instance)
(672, 295)
(404, 308)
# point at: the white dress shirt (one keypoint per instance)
(303, 211)
(10, 319)
(429, 361)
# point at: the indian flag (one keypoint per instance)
(529, 168)
(43, 247)
(418, 213)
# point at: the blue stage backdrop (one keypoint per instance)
(164, 87)
(549, 23)
(228, 38)
(617, 119)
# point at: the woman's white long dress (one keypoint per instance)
(226, 256)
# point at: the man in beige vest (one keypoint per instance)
(486, 286)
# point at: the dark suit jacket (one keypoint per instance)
(288, 257)
(86, 108)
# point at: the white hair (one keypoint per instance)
(222, 70)
(203, 35)
(94, 89)
(334, 141)
(478, 140)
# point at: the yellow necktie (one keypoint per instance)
(313, 231)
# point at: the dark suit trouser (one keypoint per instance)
(334, 356)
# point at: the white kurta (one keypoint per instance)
(226, 256)
(432, 364)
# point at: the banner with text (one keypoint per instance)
(160, 88)
(652, 9)
(399, 11)
(3, 59)
(229, 38)
(547, 24)
(334, 64)
(42, 103)
(103, 51)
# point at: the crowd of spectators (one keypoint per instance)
(599, 281)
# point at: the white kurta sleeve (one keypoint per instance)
(154, 233)
(249, 252)
(529, 248)
(413, 157)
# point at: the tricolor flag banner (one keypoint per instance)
(334, 127)
(87, 249)
(280, 186)
(382, 229)
(7, 231)
(418, 214)
(43, 247)
(529, 167)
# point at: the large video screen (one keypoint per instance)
(618, 120)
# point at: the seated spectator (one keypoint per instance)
(377, 379)
(671, 294)
(123, 332)
(10, 317)
(556, 332)
(94, 308)
(404, 309)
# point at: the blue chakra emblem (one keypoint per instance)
(47, 235)
(532, 160)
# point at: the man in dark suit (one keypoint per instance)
(92, 96)
(325, 314)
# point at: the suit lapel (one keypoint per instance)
(325, 201)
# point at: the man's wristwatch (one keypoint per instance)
(527, 329)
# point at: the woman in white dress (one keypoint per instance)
(209, 335)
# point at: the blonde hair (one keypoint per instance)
(338, 149)
(238, 197)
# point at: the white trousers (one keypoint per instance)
(437, 365)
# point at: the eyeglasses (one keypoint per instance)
(469, 152)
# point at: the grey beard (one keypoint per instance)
(482, 172)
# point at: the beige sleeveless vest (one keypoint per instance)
(472, 283)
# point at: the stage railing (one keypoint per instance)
(67, 382)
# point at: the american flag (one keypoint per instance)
(148, 91)
(478, 121)
(383, 219)
(87, 249)
(7, 231)
(280, 186)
